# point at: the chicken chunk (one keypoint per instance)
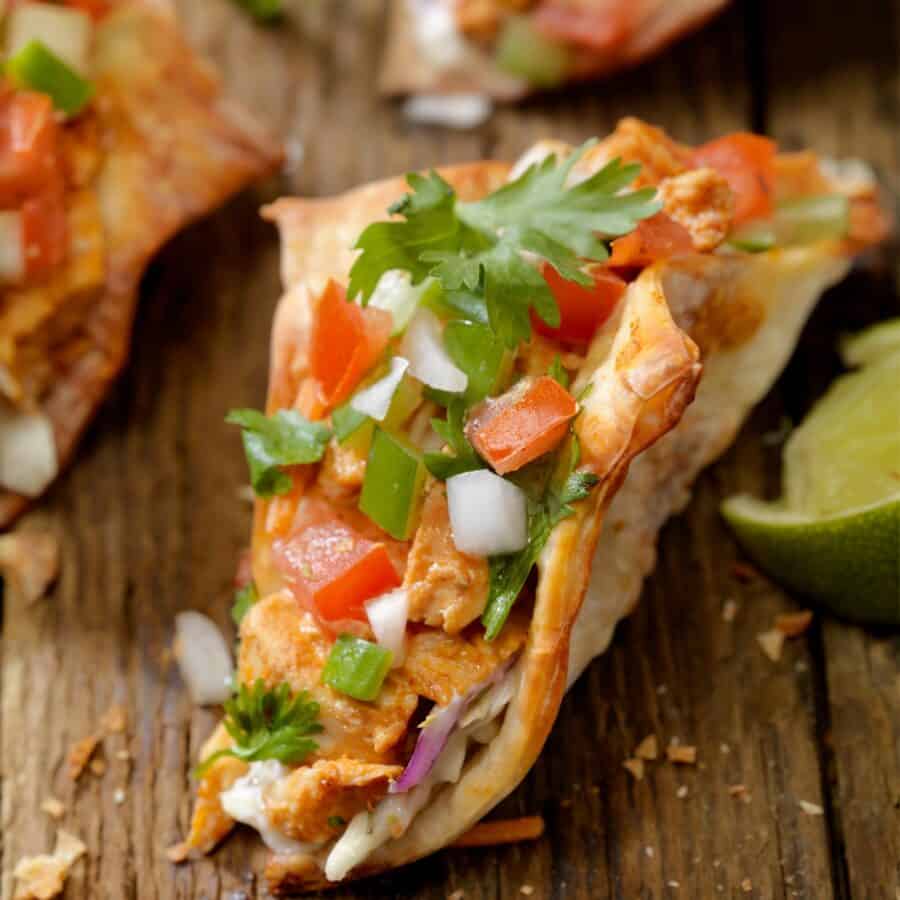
(343, 470)
(313, 802)
(281, 642)
(446, 588)
(440, 666)
(702, 202)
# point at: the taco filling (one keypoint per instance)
(455, 394)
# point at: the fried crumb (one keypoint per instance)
(527, 889)
(124, 755)
(29, 560)
(730, 611)
(80, 753)
(648, 748)
(724, 749)
(683, 754)
(649, 852)
(740, 791)
(114, 720)
(771, 643)
(457, 895)
(794, 624)
(43, 877)
(682, 792)
(119, 796)
(98, 767)
(746, 885)
(673, 884)
(53, 807)
(635, 767)
(811, 809)
(743, 572)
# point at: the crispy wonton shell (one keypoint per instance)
(171, 149)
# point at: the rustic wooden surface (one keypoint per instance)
(152, 523)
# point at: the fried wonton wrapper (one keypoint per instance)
(644, 371)
(159, 147)
(613, 34)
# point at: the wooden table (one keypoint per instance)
(152, 522)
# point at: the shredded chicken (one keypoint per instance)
(446, 588)
(301, 805)
(440, 666)
(702, 202)
(43, 877)
(282, 642)
(343, 469)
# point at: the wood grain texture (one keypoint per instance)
(152, 524)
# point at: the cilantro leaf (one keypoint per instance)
(244, 598)
(452, 430)
(477, 250)
(508, 574)
(285, 439)
(268, 724)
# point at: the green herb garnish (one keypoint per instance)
(452, 430)
(508, 574)
(284, 439)
(266, 11)
(558, 373)
(475, 250)
(268, 724)
(336, 821)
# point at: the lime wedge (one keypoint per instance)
(835, 533)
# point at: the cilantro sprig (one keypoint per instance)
(477, 250)
(270, 442)
(452, 429)
(546, 509)
(268, 724)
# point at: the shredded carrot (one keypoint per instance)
(503, 831)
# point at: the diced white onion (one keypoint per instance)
(428, 360)
(28, 460)
(375, 400)
(396, 294)
(488, 514)
(436, 32)
(12, 247)
(64, 31)
(387, 616)
(203, 658)
(459, 111)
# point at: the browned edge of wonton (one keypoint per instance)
(173, 149)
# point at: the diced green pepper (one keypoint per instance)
(39, 69)
(809, 219)
(356, 667)
(522, 50)
(754, 237)
(476, 350)
(393, 484)
(406, 398)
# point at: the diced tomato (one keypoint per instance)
(347, 340)
(525, 423)
(595, 26)
(45, 229)
(336, 568)
(658, 237)
(28, 138)
(96, 9)
(747, 162)
(582, 309)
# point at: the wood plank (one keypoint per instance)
(857, 68)
(152, 525)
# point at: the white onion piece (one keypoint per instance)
(28, 461)
(396, 293)
(375, 400)
(459, 111)
(436, 32)
(387, 616)
(203, 658)
(428, 360)
(64, 31)
(488, 514)
(12, 247)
